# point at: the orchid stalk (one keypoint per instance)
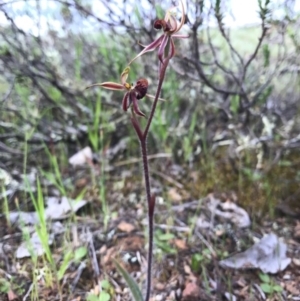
(134, 93)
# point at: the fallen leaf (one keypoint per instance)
(297, 231)
(160, 286)
(296, 261)
(241, 282)
(80, 183)
(11, 295)
(5, 177)
(230, 297)
(191, 290)
(227, 211)
(293, 288)
(174, 195)
(83, 156)
(268, 255)
(180, 244)
(33, 246)
(57, 208)
(96, 290)
(109, 254)
(125, 227)
(194, 176)
(244, 291)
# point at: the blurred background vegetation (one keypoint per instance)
(232, 92)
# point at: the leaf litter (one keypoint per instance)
(268, 255)
(222, 230)
(56, 209)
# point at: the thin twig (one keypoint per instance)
(168, 178)
(80, 269)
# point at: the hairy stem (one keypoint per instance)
(160, 82)
(142, 136)
(151, 199)
(143, 143)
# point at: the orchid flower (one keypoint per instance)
(132, 93)
(165, 43)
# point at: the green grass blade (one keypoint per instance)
(134, 288)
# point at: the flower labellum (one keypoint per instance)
(132, 93)
(141, 88)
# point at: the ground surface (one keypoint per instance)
(113, 224)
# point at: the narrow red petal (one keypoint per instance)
(172, 49)
(108, 85)
(136, 108)
(112, 86)
(152, 46)
(126, 102)
(162, 47)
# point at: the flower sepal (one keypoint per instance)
(108, 85)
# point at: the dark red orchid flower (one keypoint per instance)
(133, 93)
(165, 43)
